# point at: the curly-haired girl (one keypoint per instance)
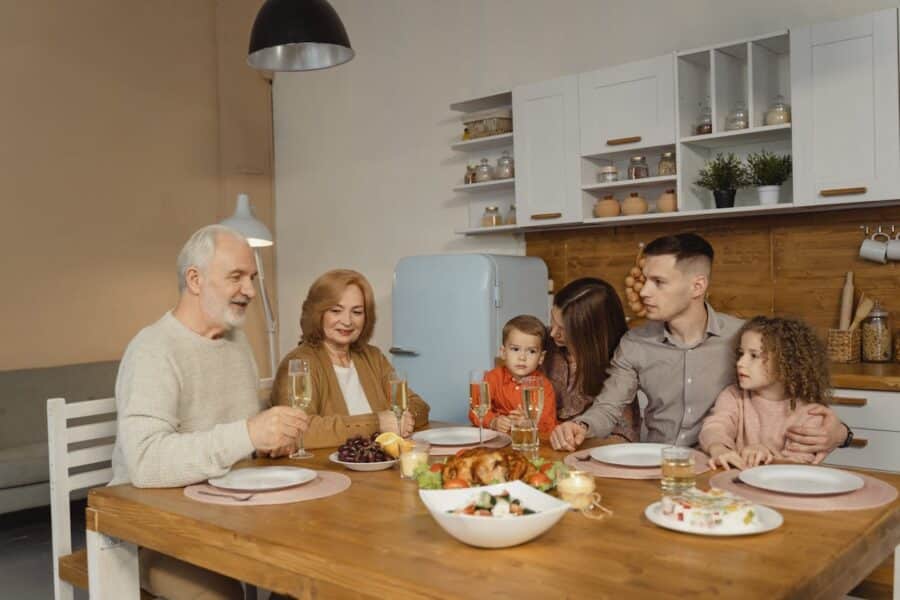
(782, 372)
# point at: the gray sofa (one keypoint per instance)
(24, 472)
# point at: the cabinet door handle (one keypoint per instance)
(544, 216)
(398, 351)
(844, 191)
(859, 443)
(624, 140)
(849, 401)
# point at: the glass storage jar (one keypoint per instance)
(780, 112)
(608, 174)
(505, 167)
(876, 335)
(484, 171)
(637, 167)
(704, 125)
(511, 215)
(666, 164)
(491, 217)
(738, 118)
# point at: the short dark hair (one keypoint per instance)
(529, 326)
(683, 246)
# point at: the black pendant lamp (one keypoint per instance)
(298, 35)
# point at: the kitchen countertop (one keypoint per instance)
(866, 376)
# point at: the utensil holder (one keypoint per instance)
(844, 346)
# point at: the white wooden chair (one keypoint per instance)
(91, 462)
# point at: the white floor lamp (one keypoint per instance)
(259, 236)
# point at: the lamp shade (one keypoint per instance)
(298, 35)
(243, 221)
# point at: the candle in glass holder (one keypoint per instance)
(577, 488)
(411, 456)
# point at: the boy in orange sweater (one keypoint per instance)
(524, 339)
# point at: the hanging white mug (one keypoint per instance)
(874, 249)
(893, 248)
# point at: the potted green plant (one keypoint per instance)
(768, 172)
(724, 175)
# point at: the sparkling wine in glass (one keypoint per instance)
(301, 396)
(399, 396)
(479, 399)
(532, 398)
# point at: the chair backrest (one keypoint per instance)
(79, 457)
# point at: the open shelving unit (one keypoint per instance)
(752, 72)
(497, 192)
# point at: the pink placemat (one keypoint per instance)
(872, 494)
(328, 483)
(502, 440)
(600, 469)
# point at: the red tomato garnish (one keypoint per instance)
(436, 467)
(546, 467)
(538, 479)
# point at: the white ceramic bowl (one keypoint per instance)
(494, 532)
(362, 466)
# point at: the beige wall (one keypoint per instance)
(126, 126)
(363, 164)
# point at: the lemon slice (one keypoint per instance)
(390, 443)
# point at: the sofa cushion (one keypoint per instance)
(24, 465)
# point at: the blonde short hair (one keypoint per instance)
(324, 293)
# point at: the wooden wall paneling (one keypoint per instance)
(788, 265)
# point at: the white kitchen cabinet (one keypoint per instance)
(546, 150)
(844, 83)
(874, 417)
(628, 106)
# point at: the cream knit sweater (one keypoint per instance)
(183, 401)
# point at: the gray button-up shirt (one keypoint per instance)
(681, 383)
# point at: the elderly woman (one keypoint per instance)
(586, 323)
(351, 394)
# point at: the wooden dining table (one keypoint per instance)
(377, 540)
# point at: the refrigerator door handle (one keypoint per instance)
(402, 351)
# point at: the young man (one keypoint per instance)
(187, 397)
(681, 360)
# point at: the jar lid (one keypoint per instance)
(670, 191)
(634, 194)
(608, 197)
(491, 209)
(484, 162)
(609, 169)
(877, 311)
(669, 154)
(638, 158)
(505, 159)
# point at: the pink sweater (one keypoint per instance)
(740, 419)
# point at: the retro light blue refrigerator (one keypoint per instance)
(448, 313)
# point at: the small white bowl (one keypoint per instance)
(494, 532)
(363, 466)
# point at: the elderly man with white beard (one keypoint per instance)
(187, 397)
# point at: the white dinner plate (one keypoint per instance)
(769, 519)
(630, 455)
(803, 480)
(261, 479)
(363, 466)
(453, 436)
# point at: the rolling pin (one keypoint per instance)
(846, 301)
(862, 311)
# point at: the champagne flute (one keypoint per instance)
(533, 398)
(399, 396)
(479, 400)
(301, 396)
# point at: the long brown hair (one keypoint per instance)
(796, 356)
(324, 293)
(594, 321)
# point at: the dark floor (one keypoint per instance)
(26, 567)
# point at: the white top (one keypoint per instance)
(351, 388)
(183, 401)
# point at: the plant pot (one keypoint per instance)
(724, 198)
(768, 194)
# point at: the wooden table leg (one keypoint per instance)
(112, 568)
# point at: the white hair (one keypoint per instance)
(198, 250)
